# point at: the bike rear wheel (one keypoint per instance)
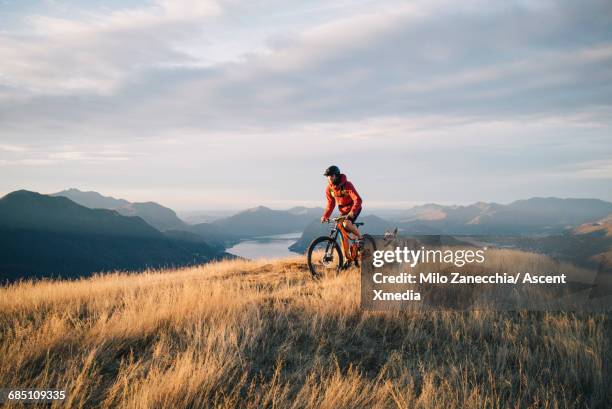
(324, 257)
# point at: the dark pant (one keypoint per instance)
(355, 216)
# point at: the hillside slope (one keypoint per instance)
(263, 335)
(158, 216)
(42, 236)
(23, 209)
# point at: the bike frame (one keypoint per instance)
(344, 240)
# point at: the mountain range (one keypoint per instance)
(43, 235)
(75, 232)
(158, 216)
(531, 216)
(224, 231)
(263, 221)
(536, 215)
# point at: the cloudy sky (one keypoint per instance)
(230, 104)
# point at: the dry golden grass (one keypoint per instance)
(261, 334)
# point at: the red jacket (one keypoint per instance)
(345, 195)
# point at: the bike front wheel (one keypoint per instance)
(324, 257)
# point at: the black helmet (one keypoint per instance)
(332, 170)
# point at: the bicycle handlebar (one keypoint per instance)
(336, 219)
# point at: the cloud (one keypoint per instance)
(593, 169)
(16, 156)
(409, 60)
(13, 148)
(98, 51)
(87, 157)
(483, 90)
(27, 162)
(398, 63)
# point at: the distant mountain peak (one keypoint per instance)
(74, 190)
(481, 205)
(92, 199)
(256, 209)
(21, 192)
(156, 215)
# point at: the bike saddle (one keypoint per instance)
(358, 224)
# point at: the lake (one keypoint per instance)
(274, 246)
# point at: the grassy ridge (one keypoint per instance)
(262, 334)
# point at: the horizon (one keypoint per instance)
(234, 210)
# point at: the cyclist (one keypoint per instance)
(342, 192)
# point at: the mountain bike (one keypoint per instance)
(325, 255)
